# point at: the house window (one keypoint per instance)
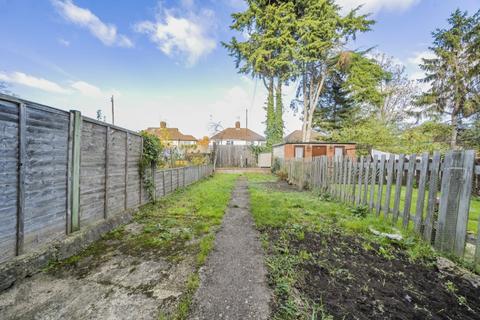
(299, 152)
(229, 142)
(339, 151)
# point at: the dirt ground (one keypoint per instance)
(354, 281)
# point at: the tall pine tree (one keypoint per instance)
(453, 72)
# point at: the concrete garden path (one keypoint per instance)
(233, 281)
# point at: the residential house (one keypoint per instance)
(238, 136)
(172, 137)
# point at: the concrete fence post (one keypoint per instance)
(75, 183)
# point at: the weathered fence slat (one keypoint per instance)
(348, 194)
(366, 181)
(360, 175)
(452, 218)
(463, 209)
(421, 193)
(373, 180)
(432, 197)
(354, 181)
(388, 194)
(345, 179)
(381, 178)
(409, 189)
(398, 187)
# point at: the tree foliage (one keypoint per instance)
(453, 72)
(151, 153)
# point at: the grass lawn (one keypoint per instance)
(473, 218)
(325, 263)
(177, 230)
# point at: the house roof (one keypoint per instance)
(238, 133)
(296, 136)
(170, 134)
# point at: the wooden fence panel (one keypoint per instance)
(134, 154)
(116, 172)
(9, 165)
(92, 173)
(46, 162)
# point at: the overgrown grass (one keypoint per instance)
(473, 219)
(180, 226)
(293, 214)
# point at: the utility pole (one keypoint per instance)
(113, 110)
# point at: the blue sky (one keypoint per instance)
(163, 59)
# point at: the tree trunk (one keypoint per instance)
(453, 141)
(270, 125)
(278, 113)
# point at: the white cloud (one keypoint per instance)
(413, 66)
(418, 57)
(107, 33)
(33, 82)
(375, 6)
(181, 35)
(87, 89)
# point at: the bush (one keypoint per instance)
(276, 165)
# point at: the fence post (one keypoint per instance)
(107, 161)
(22, 132)
(455, 202)
(76, 144)
(126, 170)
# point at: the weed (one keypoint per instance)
(360, 211)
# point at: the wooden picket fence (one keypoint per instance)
(431, 195)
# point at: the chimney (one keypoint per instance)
(237, 125)
(163, 124)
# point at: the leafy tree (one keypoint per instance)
(453, 73)
(266, 53)
(323, 34)
(430, 136)
(398, 91)
(350, 88)
(368, 134)
(470, 137)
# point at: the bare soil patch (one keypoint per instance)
(352, 278)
